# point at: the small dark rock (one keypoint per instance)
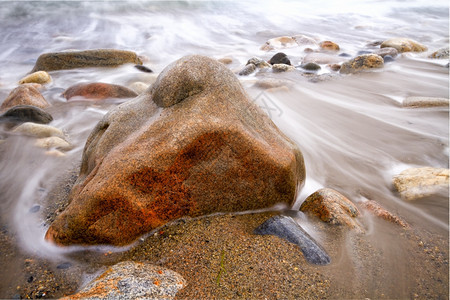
(64, 265)
(388, 58)
(361, 52)
(35, 209)
(26, 113)
(143, 68)
(30, 279)
(447, 65)
(374, 44)
(247, 70)
(286, 228)
(310, 66)
(280, 58)
(344, 55)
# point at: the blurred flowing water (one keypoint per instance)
(352, 130)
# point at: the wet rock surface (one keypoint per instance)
(26, 94)
(98, 91)
(212, 150)
(332, 207)
(132, 280)
(85, 59)
(362, 63)
(416, 183)
(404, 45)
(286, 228)
(26, 113)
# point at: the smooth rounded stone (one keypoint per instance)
(286, 228)
(26, 113)
(225, 60)
(53, 142)
(98, 91)
(26, 94)
(377, 210)
(247, 70)
(334, 67)
(361, 63)
(139, 87)
(269, 83)
(193, 145)
(404, 45)
(416, 183)
(329, 45)
(388, 59)
(441, 53)
(279, 43)
(143, 68)
(322, 58)
(425, 102)
(38, 130)
(132, 280)
(310, 66)
(260, 63)
(282, 68)
(85, 59)
(280, 58)
(40, 77)
(386, 51)
(303, 40)
(55, 153)
(332, 207)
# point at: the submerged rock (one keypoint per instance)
(310, 66)
(98, 91)
(376, 209)
(279, 43)
(132, 280)
(361, 63)
(441, 53)
(425, 102)
(404, 45)
(225, 60)
(38, 130)
(287, 229)
(85, 59)
(280, 58)
(329, 45)
(386, 51)
(282, 68)
(332, 207)
(53, 142)
(322, 58)
(139, 87)
(26, 113)
(26, 94)
(416, 183)
(247, 70)
(259, 63)
(40, 77)
(143, 68)
(193, 145)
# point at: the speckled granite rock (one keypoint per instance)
(425, 102)
(332, 207)
(286, 228)
(132, 280)
(416, 183)
(84, 59)
(98, 91)
(40, 77)
(193, 145)
(404, 45)
(361, 63)
(26, 94)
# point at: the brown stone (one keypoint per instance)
(98, 91)
(425, 102)
(329, 45)
(26, 94)
(194, 144)
(331, 207)
(404, 45)
(361, 63)
(85, 59)
(376, 209)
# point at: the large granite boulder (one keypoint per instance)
(193, 144)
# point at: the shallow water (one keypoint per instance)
(352, 130)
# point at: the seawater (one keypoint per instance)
(352, 130)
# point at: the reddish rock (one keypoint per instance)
(376, 209)
(98, 91)
(194, 144)
(26, 94)
(329, 45)
(331, 207)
